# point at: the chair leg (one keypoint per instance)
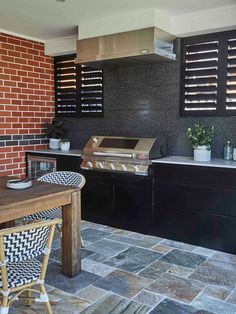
(48, 305)
(28, 301)
(4, 307)
(82, 242)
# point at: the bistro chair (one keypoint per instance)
(20, 269)
(58, 177)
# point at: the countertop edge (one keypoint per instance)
(72, 152)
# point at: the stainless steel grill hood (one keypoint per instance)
(138, 46)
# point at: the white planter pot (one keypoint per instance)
(202, 154)
(65, 146)
(54, 143)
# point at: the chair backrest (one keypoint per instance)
(64, 178)
(25, 242)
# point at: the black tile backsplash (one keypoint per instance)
(144, 101)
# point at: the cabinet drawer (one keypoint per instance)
(201, 199)
(196, 175)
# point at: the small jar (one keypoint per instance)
(228, 151)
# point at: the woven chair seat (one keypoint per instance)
(22, 273)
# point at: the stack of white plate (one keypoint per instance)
(19, 184)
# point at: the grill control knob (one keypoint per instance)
(100, 164)
(123, 167)
(90, 164)
(136, 168)
(112, 166)
(95, 140)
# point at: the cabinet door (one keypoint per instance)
(68, 163)
(133, 207)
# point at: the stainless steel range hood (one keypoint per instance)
(138, 46)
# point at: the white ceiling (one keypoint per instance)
(49, 19)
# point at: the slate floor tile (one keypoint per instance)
(162, 248)
(107, 247)
(94, 235)
(218, 292)
(155, 270)
(115, 304)
(149, 298)
(168, 306)
(179, 245)
(133, 259)
(54, 277)
(183, 258)
(56, 254)
(180, 271)
(145, 242)
(123, 283)
(91, 293)
(213, 274)
(130, 234)
(203, 251)
(228, 260)
(96, 267)
(181, 289)
(97, 257)
(213, 305)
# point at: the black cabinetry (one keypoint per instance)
(196, 205)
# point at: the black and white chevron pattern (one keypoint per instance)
(25, 245)
(59, 177)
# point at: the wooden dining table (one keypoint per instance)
(40, 196)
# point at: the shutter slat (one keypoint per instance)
(194, 89)
(201, 64)
(231, 76)
(196, 81)
(199, 73)
(203, 97)
(207, 46)
(202, 56)
(197, 105)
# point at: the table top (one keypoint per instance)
(40, 196)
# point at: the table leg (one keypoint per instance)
(71, 244)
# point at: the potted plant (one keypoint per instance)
(65, 144)
(201, 138)
(55, 132)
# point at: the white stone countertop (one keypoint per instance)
(188, 161)
(71, 152)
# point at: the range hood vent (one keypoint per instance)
(132, 47)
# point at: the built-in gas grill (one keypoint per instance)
(122, 154)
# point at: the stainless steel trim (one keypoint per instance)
(112, 154)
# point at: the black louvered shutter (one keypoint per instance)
(231, 75)
(78, 89)
(200, 76)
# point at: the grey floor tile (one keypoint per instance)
(91, 293)
(168, 306)
(56, 254)
(133, 259)
(145, 242)
(130, 234)
(183, 258)
(181, 289)
(217, 292)
(123, 283)
(107, 247)
(155, 270)
(94, 235)
(96, 267)
(114, 304)
(97, 257)
(213, 305)
(149, 298)
(226, 260)
(232, 297)
(180, 271)
(179, 245)
(55, 278)
(213, 274)
(162, 248)
(203, 251)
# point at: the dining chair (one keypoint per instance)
(21, 271)
(58, 177)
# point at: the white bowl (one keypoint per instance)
(19, 184)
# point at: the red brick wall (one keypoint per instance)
(26, 100)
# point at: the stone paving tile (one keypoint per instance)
(96, 267)
(155, 270)
(145, 242)
(123, 283)
(232, 297)
(54, 277)
(91, 293)
(217, 292)
(180, 271)
(149, 298)
(94, 235)
(56, 254)
(216, 306)
(133, 259)
(162, 248)
(183, 258)
(179, 245)
(168, 306)
(107, 247)
(228, 260)
(181, 289)
(97, 257)
(213, 274)
(203, 251)
(130, 234)
(115, 304)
